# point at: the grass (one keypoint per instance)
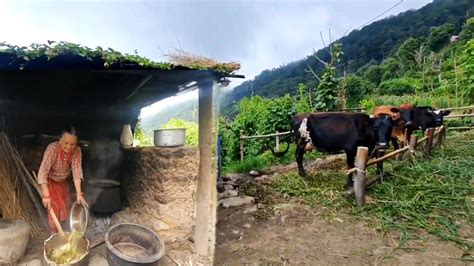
(265, 160)
(433, 194)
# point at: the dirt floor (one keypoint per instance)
(291, 233)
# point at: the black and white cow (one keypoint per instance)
(336, 132)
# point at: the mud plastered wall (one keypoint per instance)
(159, 186)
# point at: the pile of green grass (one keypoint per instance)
(434, 193)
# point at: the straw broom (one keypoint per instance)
(19, 198)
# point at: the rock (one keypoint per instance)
(229, 193)
(251, 209)
(228, 187)
(36, 262)
(236, 232)
(236, 201)
(247, 226)
(254, 173)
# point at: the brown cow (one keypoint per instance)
(401, 117)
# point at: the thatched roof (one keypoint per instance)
(71, 56)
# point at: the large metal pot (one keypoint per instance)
(14, 235)
(170, 137)
(56, 241)
(133, 244)
(107, 195)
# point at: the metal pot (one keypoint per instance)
(170, 137)
(133, 244)
(106, 193)
(56, 241)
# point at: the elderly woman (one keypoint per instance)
(60, 158)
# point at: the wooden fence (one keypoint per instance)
(362, 162)
(277, 134)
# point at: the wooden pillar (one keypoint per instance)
(429, 141)
(380, 153)
(359, 183)
(242, 145)
(441, 136)
(277, 141)
(202, 238)
(413, 143)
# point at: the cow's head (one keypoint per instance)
(406, 114)
(382, 126)
(439, 115)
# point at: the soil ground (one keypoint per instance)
(288, 232)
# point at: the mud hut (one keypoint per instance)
(171, 190)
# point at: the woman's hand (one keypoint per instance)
(81, 200)
(47, 202)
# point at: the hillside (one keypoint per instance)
(370, 45)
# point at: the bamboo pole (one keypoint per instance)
(277, 141)
(359, 183)
(461, 128)
(459, 108)
(242, 145)
(429, 143)
(458, 116)
(263, 136)
(389, 155)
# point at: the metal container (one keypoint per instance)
(107, 195)
(78, 218)
(170, 137)
(56, 241)
(133, 244)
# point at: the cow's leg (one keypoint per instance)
(395, 144)
(350, 156)
(408, 135)
(299, 157)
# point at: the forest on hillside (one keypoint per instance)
(362, 48)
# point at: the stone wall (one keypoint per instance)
(159, 186)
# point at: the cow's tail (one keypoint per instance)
(280, 154)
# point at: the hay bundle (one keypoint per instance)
(187, 59)
(18, 197)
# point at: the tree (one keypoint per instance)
(374, 74)
(439, 36)
(407, 52)
(326, 93)
(357, 88)
(467, 32)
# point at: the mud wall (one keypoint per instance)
(159, 186)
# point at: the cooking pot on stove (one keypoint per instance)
(105, 196)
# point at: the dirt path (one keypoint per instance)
(291, 233)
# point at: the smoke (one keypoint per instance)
(102, 160)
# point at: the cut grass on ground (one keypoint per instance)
(432, 194)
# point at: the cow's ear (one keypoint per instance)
(395, 110)
(445, 113)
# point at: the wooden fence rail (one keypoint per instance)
(276, 135)
(362, 162)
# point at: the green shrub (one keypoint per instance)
(401, 86)
(192, 138)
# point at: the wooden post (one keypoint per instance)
(441, 136)
(359, 183)
(242, 145)
(277, 141)
(380, 153)
(429, 142)
(203, 240)
(413, 143)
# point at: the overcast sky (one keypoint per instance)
(259, 34)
